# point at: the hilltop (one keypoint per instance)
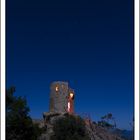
(93, 130)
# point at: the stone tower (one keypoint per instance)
(61, 98)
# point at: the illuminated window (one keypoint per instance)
(68, 106)
(56, 88)
(71, 95)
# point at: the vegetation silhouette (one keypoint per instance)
(19, 125)
(105, 121)
(70, 128)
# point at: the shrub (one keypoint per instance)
(70, 128)
(19, 125)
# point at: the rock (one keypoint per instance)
(98, 133)
(94, 131)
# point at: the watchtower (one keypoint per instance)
(61, 98)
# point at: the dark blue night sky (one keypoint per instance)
(87, 43)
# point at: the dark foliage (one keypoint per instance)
(105, 124)
(19, 125)
(107, 120)
(70, 128)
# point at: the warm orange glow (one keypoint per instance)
(68, 106)
(71, 95)
(56, 88)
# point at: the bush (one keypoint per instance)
(19, 125)
(105, 124)
(70, 128)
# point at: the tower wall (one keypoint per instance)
(59, 97)
(71, 101)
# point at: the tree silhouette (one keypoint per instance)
(106, 120)
(19, 125)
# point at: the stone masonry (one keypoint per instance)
(61, 98)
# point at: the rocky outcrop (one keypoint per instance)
(99, 133)
(94, 131)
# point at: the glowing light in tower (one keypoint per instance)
(71, 95)
(68, 106)
(56, 88)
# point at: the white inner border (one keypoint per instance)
(136, 69)
(3, 69)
